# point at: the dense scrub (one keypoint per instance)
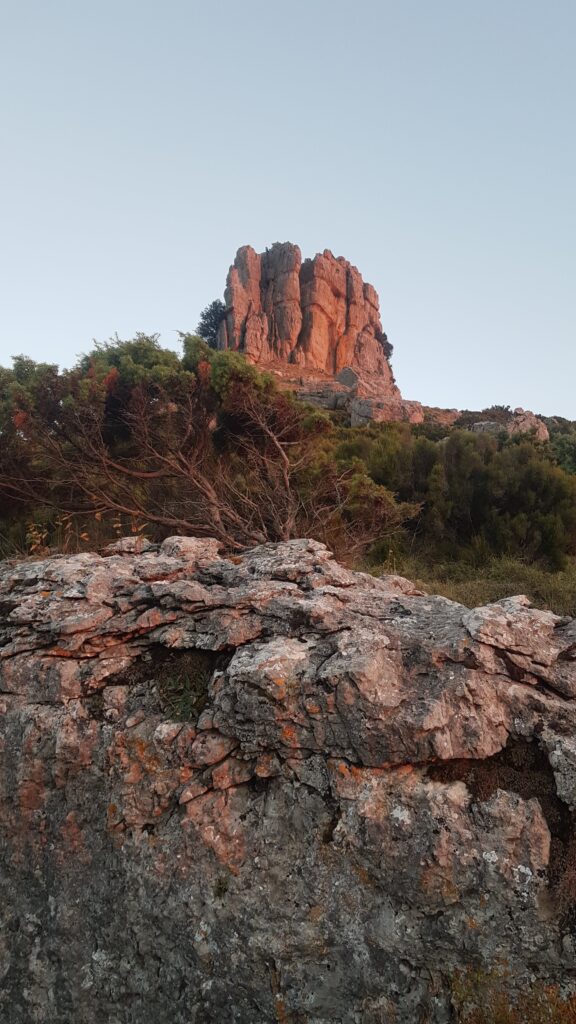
(475, 584)
(137, 438)
(478, 494)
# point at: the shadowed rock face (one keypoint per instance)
(268, 789)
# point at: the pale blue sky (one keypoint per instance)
(431, 142)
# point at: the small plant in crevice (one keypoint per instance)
(94, 705)
(221, 886)
(182, 683)
(176, 683)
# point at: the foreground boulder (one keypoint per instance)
(267, 789)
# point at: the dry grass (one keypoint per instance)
(473, 585)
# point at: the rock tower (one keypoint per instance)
(317, 325)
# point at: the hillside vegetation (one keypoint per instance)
(139, 439)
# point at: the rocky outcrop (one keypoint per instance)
(364, 410)
(525, 422)
(521, 421)
(319, 314)
(341, 322)
(316, 324)
(266, 788)
(442, 417)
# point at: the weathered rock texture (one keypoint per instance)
(525, 422)
(318, 314)
(521, 421)
(371, 788)
(316, 319)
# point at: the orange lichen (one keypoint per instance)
(316, 913)
(290, 736)
(217, 817)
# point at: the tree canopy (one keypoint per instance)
(138, 437)
(210, 319)
(199, 443)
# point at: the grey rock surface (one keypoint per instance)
(520, 422)
(267, 789)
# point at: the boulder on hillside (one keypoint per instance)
(525, 422)
(520, 421)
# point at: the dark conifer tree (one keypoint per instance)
(210, 320)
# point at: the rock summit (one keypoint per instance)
(316, 325)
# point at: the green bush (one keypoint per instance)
(138, 437)
(182, 684)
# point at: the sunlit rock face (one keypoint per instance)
(315, 324)
(266, 788)
(310, 321)
(318, 314)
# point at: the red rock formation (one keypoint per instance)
(524, 422)
(262, 296)
(319, 315)
(316, 325)
(521, 421)
(244, 325)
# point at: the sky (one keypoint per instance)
(430, 142)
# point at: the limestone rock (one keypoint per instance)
(341, 321)
(267, 788)
(487, 427)
(443, 417)
(262, 297)
(316, 324)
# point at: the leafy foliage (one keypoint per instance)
(200, 444)
(495, 413)
(477, 494)
(563, 442)
(137, 438)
